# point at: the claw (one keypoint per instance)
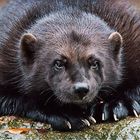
(115, 117)
(135, 113)
(101, 102)
(84, 98)
(86, 122)
(92, 119)
(103, 116)
(68, 124)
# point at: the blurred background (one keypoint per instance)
(3, 2)
(134, 2)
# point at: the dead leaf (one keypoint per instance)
(18, 130)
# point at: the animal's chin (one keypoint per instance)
(66, 100)
(80, 102)
(77, 102)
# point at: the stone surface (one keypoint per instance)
(127, 129)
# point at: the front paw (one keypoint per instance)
(115, 110)
(67, 123)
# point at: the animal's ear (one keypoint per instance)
(28, 47)
(116, 41)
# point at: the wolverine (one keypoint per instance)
(69, 63)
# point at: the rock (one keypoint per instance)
(14, 128)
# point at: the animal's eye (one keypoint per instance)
(94, 64)
(58, 65)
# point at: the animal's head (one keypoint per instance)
(73, 53)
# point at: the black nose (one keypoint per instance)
(81, 89)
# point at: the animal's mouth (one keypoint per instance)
(72, 98)
(86, 99)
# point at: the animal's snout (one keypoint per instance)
(81, 89)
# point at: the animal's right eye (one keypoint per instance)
(59, 65)
(94, 64)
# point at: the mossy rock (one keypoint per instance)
(11, 129)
